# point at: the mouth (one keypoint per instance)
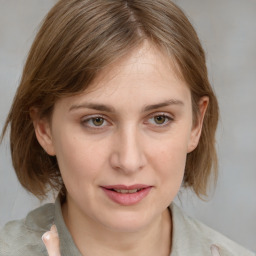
(127, 195)
(123, 189)
(127, 191)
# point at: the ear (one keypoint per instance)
(197, 128)
(43, 131)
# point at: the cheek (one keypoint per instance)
(79, 159)
(169, 159)
(168, 164)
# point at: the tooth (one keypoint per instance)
(132, 191)
(125, 191)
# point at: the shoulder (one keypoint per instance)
(195, 238)
(23, 237)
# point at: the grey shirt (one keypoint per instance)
(190, 237)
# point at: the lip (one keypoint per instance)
(120, 186)
(127, 198)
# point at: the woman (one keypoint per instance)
(115, 112)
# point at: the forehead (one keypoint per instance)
(146, 60)
(145, 74)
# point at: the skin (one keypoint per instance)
(135, 143)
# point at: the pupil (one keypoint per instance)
(98, 121)
(160, 119)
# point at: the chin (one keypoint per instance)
(128, 221)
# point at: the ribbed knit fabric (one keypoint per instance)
(190, 237)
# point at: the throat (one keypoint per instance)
(97, 240)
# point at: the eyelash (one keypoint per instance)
(167, 122)
(168, 119)
(86, 120)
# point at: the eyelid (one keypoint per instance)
(167, 115)
(85, 119)
(88, 117)
(161, 114)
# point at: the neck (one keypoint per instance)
(95, 239)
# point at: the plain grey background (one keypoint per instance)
(227, 29)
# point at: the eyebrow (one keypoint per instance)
(163, 104)
(95, 106)
(107, 108)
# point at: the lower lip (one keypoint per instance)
(127, 199)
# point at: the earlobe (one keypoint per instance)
(43, 132)
(197, 128)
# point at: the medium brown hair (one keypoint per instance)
(79, 38)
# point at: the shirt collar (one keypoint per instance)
(67, 245)
(184, 241)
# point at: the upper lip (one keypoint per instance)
(125, 187)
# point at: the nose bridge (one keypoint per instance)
(129, 154)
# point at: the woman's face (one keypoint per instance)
(122, 147)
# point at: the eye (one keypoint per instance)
(98, 121)
(160, 120)
(95, 122)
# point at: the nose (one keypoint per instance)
(128, 151)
